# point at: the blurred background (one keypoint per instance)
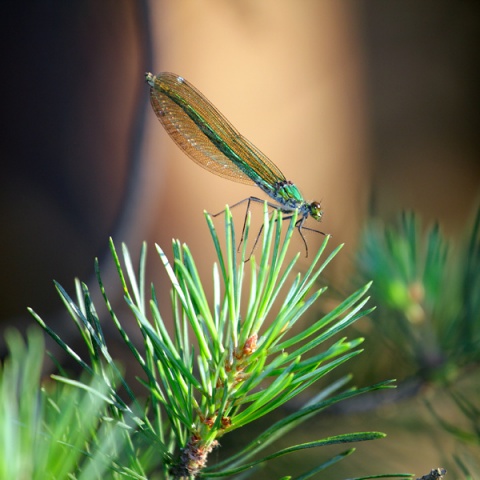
(370, 107)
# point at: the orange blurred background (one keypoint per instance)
(364, 105)
(371, 107)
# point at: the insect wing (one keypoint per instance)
(206, 136)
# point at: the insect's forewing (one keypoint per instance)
(205, 135)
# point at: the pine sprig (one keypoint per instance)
(426, 287)
(230, 360)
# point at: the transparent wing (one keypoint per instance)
(206, 136)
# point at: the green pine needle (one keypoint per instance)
(231, 359)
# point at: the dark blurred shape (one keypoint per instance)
(69, 93)
(424, 76)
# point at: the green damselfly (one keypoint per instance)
(210, 140)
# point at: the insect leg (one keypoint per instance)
(249, 200)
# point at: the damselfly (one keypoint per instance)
(210, 140)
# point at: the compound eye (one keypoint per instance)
(316, 211)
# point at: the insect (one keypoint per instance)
(210, 140)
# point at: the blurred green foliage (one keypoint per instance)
(426, 289)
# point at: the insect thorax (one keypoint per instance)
(287, 194)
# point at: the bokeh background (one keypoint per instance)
(371, 107)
